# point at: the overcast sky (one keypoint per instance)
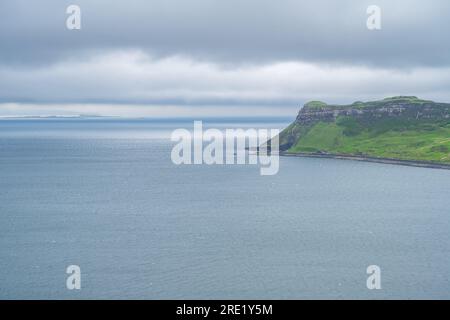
(207, 57)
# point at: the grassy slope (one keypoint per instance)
(385, 138)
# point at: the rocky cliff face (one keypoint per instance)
(407, 108)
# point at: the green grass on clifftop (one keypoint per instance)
(388, 138)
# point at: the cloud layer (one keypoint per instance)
(205, 53)
(231, 31)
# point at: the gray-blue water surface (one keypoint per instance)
(105, 195)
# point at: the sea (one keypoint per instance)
(103, 194)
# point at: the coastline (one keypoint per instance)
(411, 163)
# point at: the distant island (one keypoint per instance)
(403, 129)
(34, 117)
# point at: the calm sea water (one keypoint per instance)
(104, 195)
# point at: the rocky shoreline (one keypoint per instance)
(412, 163)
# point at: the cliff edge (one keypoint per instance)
(402, 127)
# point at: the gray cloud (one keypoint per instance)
(134, 77)
(232, 31)
(206, 53)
